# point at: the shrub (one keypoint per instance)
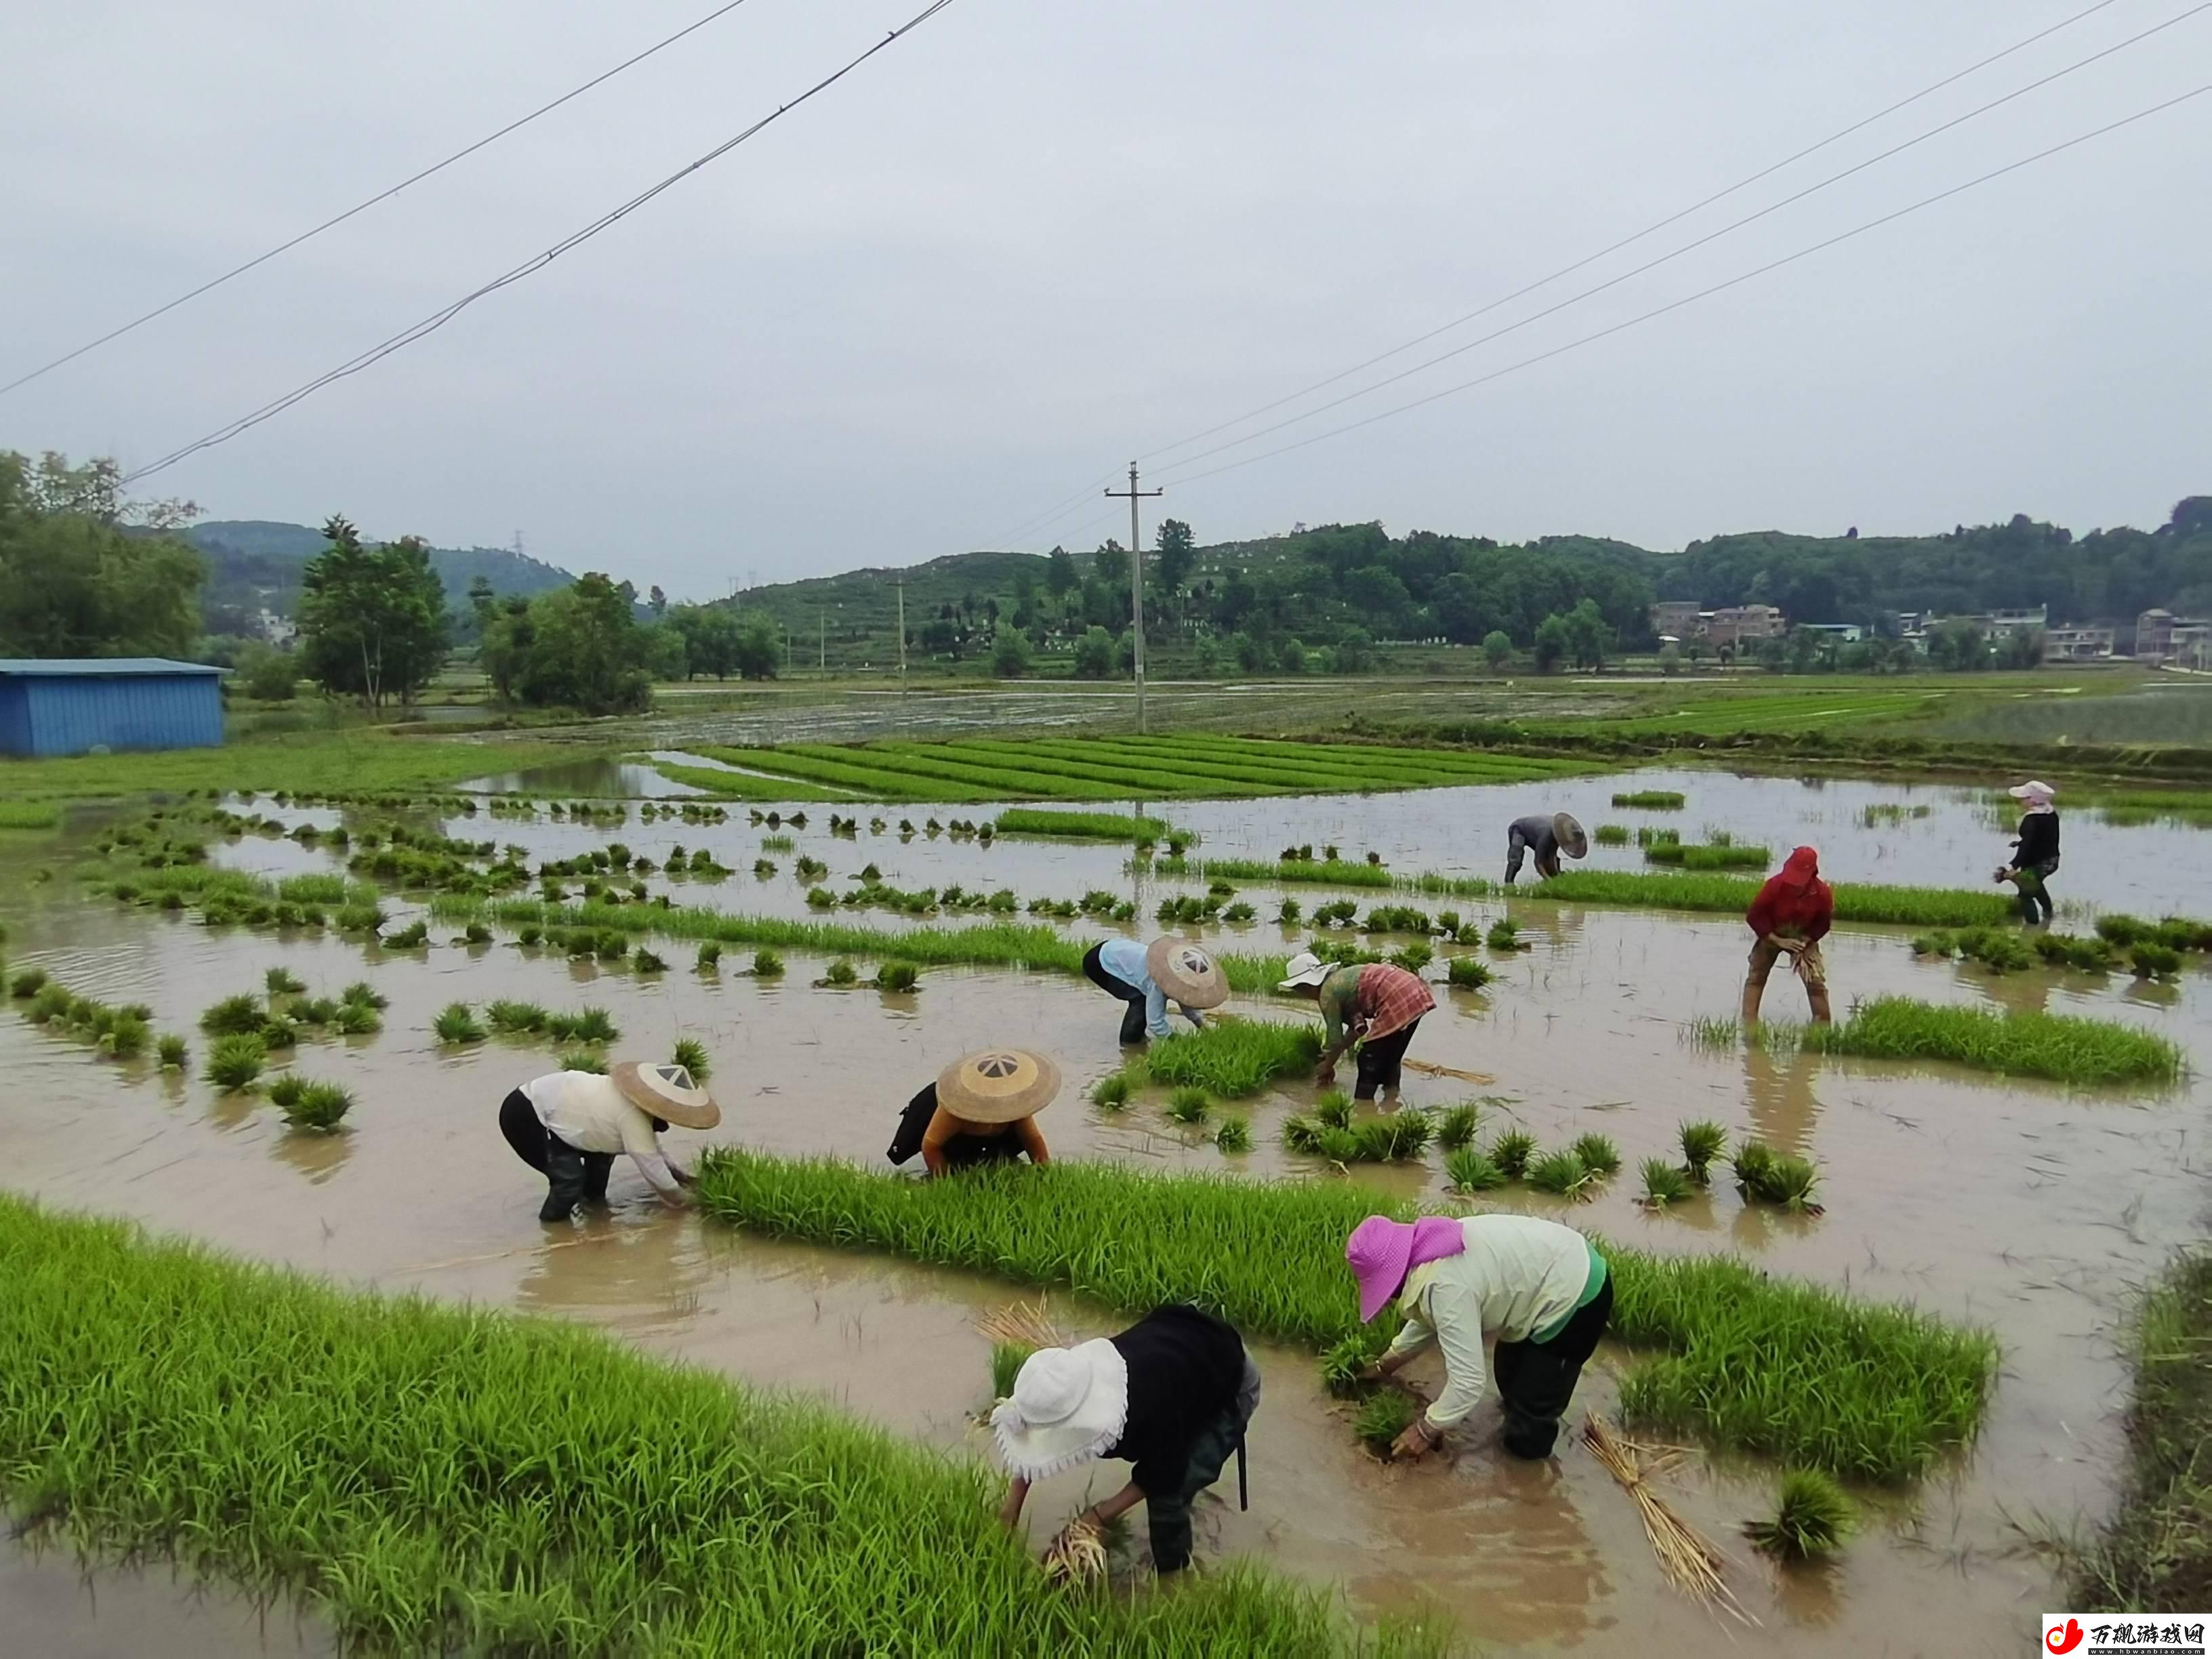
(1599, 1155)
(1471, 1170)
(1812, 1518)
(456, 1022)
(1456, 1127)
(235, 1061)
(1512, 1153)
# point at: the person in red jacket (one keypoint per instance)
(1790, 917)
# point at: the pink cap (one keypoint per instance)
(1383, 1252)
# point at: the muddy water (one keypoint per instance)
(2021, 1206)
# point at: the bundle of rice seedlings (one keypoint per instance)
(583, 1059)
(283, 983)
(415, 936)
(1412, 957)
(476, 933)
(841, 973)
(1562, 1174)
(1289, 914)
(124, 1039)
(899, 976)
(767, 965)
(278, 1034)
(319, 1108)
(361, 991)
(1470, 1169)
(1466, 974)
(1111, 1092)
(284, 1089)
(235, 1061)
(1692, 1565)
(1702, 1142)
(1334, 1108)
(1234, 1134)
(315, 1010)
(595, 1025)
(1303, 1134)
(1007, 1359)
(1512, 1151)
(356, 1019)
(1187, 1104)
(27, 984)
(173, 1052)
(1663, 1183)
(691, 1055)
(515, 1017)
(1753, 1162)
(1772, 1178)
(1505, 934)
(456, 1022)
(233, 1016)
(1598, 1153)
(52, 1002)
(1940, 942)
(2154, 961)
(1610, 835)
(1387, 1415)
(647, 962)
(529, 937)
(1343, 1361)
(1455, 1126)
(1812, 1518)
(1393, 1139)
(1078, 1555)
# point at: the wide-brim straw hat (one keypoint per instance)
(1572, 841)
(667, 1092)
(1186, 973)
(997, 1086)
(1068, 1406)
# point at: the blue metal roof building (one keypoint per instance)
(70, 705)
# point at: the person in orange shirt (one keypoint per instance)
(981, 1109)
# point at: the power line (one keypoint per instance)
(213, 283)
(1690, 247)
(444, 314)
(1717, 287)
(1625, 241)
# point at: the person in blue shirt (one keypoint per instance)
(1147, 977)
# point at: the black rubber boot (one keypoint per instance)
(566, 1179)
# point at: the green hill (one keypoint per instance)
(254, 563)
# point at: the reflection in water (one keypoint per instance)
(318, 1157)
(2026, 992)
(1779, 1094)
(647, 1272)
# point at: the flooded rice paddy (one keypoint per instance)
(2029, 1208)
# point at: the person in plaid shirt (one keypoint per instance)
(1375, 1004)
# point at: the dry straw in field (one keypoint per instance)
(1692, 1565)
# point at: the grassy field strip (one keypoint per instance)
(740, 785)
(449, 1480)
(29, 814)
(1788, 712)
(1320, 871)
(1038, 759)
(1089, 826)
(2060, 1046)
(1321, 769)
(1918, 907)
(1784, 1369)
(1138, 775)
(866, 783)
(337, 762)
(1473, 766)
(1266, 776)
(1005, 782)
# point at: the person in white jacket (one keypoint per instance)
(570, 1126)
(1540, 1292)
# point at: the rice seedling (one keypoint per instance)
(1393, 1138)
(2063, 1048)
(460, 1564)
(1773, 1178)
(1334, 1108)
(1086, 826)
(1231, 1058)
(1455, 1126)
(596, 1025)
(841, 973)
(1702, 1142)
(415, 936)
(1234, 1134)
(515, 1019)
(27, 983)
(1688, 855)
(1653, 835)
(1812, 1516)
(1719, 1032)
(2084, 955)
(899, 977)
(1512, 1153)
(284, 1089)
(1470, 1169)
(367, 995)
(1239, 913)
(1343, 1361)
(1664, 1183)
(235, 1061)
(1007, 1359)
(1561, 1174)
(768, 844)
(529, 938)
(1911, 906)
(283, 983)
(456, 1023)
(691, 1055)
(1187, 1104)
(277, 1033)
(357, 1019)
(1504, 935)
(1652, 800)
(1110, 1093)
(767, 965)
(173, 1052)
(233, 1017)
(1599, 1155)
(1382, 1416)
(1411, 957)
(583, 1059)
(124, 1039)
(1610, 835)
(313, 1010)
(2122, 929)
(2151, 960)
(1289, 913)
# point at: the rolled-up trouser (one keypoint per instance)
(1382, 1062)
(1132, 1016)
(1167, 1515)
(1536, 1380)
(572, 1177)
(1810, 966)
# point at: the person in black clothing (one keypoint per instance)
(2035, 852)
(1171, 1395)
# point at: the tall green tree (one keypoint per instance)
(372, 619)
(86, 572)
(585, 651)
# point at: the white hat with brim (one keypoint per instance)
(667, 1092)
(2033, 789)
(1186, 973)
(1568, 831)
(1069, 1404)
(997, 1086)
(1303, 969)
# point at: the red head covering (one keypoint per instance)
(1795, 899)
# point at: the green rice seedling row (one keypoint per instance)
(1920, 907)
(2063, 1047)
(1093, 826)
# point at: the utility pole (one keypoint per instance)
(1136, 583)
(822, 657)
(902, 629)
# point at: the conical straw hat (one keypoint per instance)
(997, 1085)
(1572, 841)
(1186, 973)
(666, 1092)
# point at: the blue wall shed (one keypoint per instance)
(66, 706)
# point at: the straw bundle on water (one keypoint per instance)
(1077, 1556)
(1021, 1325)
(1692, 1565)
(1430, 1068)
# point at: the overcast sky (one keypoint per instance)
(969, 283)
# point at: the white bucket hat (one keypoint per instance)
(2033, 789)
(1069, 1404)
(1303, 969)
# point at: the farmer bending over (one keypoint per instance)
(1538, 1291)
(1376, 1005)
(569, 1127)
(1788, 917)
(1146, 976)
(2035, 852)
(1171, 1395)
(981, 1109)
(1546, 837)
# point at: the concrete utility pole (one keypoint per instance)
(902, 628)
(1136, 583)
(822, 660)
